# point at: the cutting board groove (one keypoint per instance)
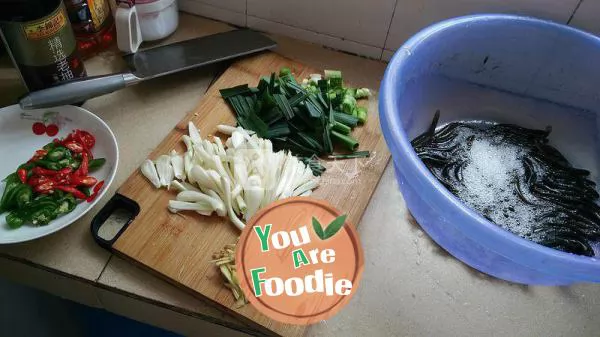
(179, 247)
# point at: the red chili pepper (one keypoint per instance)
(89, 153)
(70, 189)
(83, 167)
(22, 173)
(65, 171)
(73, 146)
(97, 189)
(85, 138)
(40, 171)
(68, 138)
(37, 180)
(44, 188)
(39, 154)
(83, 181)
(62, 180)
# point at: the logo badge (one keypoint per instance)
(299, 261)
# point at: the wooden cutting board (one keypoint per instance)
(179, 248)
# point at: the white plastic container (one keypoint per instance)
(147, 20)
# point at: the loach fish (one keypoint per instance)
(513, 177)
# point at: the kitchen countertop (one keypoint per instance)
(410, 286)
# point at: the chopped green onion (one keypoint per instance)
(310, 141)
(361, 114)
(348, 104)
(347, 141)
(345, 119)
(362, 93)
(284, 106)
(313, 110)
(235, 91)
(314, 164)
(327, 143)
(341, 128)
(309, 118)
(278, 130)
(350, 92)
(357, 154)
(284, 71)
(296, 99)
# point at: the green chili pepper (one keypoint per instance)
(96, 164)
(50, 146)
(57, 154)
(66, 206)
(23, 195)
(58, 195)
(48, 164)
(42, 211)
(75, 163)
(11, 177)
(15, 220)
(8, 200)
(44, 216)
(11, 182)
(66, 162)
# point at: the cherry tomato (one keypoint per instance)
(52, 130)
(38, 128)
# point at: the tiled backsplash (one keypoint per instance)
(376, 28)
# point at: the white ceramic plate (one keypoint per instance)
(18, 143)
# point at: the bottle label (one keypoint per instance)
(46, 27)
(99, 10)
(44, 50)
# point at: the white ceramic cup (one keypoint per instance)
(145, 21)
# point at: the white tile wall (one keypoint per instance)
(413, 15)
(307, 35)
(377, 28)
(214, 12)
(360, 21)
(587, 16)
(232, 5)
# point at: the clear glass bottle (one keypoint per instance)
(93, 24)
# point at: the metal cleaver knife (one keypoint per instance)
(152, 63)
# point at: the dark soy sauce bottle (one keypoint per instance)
(40, 41)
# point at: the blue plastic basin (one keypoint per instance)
(504, 68)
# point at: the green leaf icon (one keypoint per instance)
(318, 229)
(331, 229)
(334, 226)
